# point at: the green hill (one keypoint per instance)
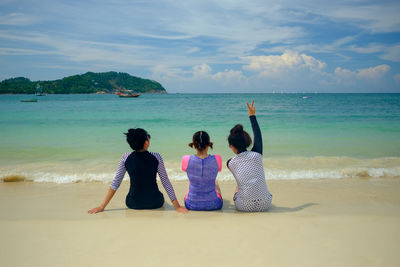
(88, 83)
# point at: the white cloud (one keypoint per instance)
(174, 39)
(229, 76)
(343, 75)
(392, 54)
(381, 18)
(369, 49)
(389, 52)
(163, 72)
(17, 19)
(332, 47)
(23, 52)
(193, 50)
(202, 70)
(198, 72)
(275, 65)
(373, 72)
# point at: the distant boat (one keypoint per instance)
(39, 91)
(129, 94)
(29, 100)
(305, 97)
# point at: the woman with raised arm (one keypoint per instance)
(142, 167)
(202, 170)
(247, 167)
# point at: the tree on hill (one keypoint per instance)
(87, 83)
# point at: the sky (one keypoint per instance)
(208, 46)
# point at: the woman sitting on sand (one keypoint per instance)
(247, 167)
(142, 167)
(202, 170)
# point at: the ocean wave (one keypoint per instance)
(285, 168)
(333, 174)
(175, 175)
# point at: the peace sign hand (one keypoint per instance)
(252, 109)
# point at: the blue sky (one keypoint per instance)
(208, 46)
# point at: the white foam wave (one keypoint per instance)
(333, 174)
(275, 169)
(271, 174)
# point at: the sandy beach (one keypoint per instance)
(346, 222)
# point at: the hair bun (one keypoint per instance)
(201, 140)
(238, 129)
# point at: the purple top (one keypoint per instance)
(202, 173)
(162, 173)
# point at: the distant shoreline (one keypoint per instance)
(88, 83)
(216, 93)
(145, 93)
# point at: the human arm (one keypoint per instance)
(119, 176)
(162, 173)
(178, 207)
(103, 205)
(258, 146)
(114, 186)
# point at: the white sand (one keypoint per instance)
(349, 222)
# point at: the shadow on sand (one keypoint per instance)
(277, 209)
(229, 207)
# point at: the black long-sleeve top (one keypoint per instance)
(258, 145)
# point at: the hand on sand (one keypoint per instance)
(96, 210)
(252, 109)
(182, 210)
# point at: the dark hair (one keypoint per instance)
(239, 138)
(136, 138)
(201, 140)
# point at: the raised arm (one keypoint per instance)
(258, 146)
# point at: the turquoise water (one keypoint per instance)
(80, 137)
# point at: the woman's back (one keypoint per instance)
(142, 168)
(253, 194)
(247, 167)
(202, 174)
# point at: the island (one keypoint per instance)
(88, 83)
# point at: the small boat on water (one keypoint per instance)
(39, 91)
(129, 94)
(29, 100)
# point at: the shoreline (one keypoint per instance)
(313, 222)
(276, 168)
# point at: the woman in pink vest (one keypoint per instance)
(202, 169)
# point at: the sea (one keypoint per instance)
(80, 138)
